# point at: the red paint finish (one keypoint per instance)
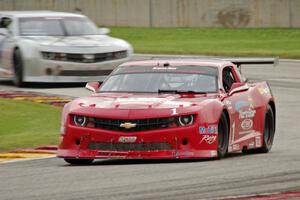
(246, 111)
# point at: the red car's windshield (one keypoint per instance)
(160, 81)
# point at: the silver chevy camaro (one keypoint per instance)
(47, 46)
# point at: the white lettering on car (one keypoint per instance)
(246, 113)
(247, 124)
(127, 139)
(209, 139)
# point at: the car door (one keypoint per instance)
(242, 109)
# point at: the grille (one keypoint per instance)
(84, 58)
(140, 125)
(84, 73)
(144, 146)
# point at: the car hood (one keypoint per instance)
(77, 43)
(143, 105)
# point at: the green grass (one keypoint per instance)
(281, 42)
(25, 124)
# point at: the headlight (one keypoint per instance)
(120, 54)
(80, 120)
(186, 120)
(54, 56)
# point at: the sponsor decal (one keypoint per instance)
(246, 132)
(251, 102)
(213, 153)
(251, 145)
(263, 91)
(235, 147)
(241, 104)
(208, 130)
(151, 101)
(127, 125)
(258, 141)
(89, 56)
(233, 132)
(202, 130)
(247, 124)
(228, 104)
(212, 130)
(127, 139)
(247, 113)
(209, 139)
(186, 153)
(164, 68)
(174, 111)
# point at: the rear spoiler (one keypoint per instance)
(252, 61)
(236, 61)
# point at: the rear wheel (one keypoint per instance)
(269, 131)
(268, 135)
(18, 68)
(78, 161)
(223, 135)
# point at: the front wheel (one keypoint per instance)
(18, 68)
(76, 161)
(223, 135)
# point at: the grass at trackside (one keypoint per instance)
(282, 42)
(26, 124)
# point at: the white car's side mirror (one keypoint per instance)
(103, 31)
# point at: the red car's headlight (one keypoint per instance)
(79, 120)
(186, 120)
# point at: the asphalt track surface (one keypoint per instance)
(235, 175)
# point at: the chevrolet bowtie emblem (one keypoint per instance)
(127, 125)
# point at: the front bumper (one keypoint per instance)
(185, 142)
(39, 70)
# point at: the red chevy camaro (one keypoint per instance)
(170, 109)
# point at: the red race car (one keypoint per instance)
(170, 109)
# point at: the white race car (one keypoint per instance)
(47, 46)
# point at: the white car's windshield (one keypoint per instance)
(161, 82)
(51, 26)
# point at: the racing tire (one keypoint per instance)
(75, 161)
(223, 136)
(268, 135)
(18, 68)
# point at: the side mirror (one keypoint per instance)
(93, 86)
(238, 87)
(4, 32)
(103, 31)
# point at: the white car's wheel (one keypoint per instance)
(18, 68)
